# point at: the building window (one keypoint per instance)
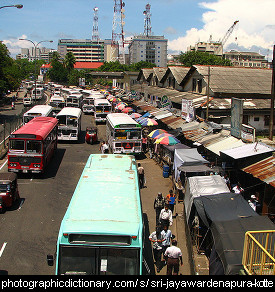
(256, 119)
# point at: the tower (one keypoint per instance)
(95, 35)
(118, 31)
(147, 20)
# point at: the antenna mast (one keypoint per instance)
(147, 20)
(95, 36)
(118, 31)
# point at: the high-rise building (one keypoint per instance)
(150, 48)
(41, 54)
(85, 50)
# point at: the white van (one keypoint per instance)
(27, 101)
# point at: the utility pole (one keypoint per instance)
(271, 122)
(208, 89)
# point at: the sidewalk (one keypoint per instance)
(155, 183)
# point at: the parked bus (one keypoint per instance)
(32, 146)
(39, 93)
(74, 100)
(102, 109)
(89, 96)
(38, 111)
(123, 134)
(58, 103)
(102, 230)
(69, 123)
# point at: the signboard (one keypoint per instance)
(248, 134)
(187, 110)
(236, 117)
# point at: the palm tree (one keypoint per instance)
(69, 61)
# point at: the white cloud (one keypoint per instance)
(255, 28)
(14, 45)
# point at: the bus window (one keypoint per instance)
(135, 134)
(121, 134)
(72, 122)
(33, 147)
(17, 145)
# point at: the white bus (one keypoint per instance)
(69, 124)
(102, 109)
(39, 93)
(74, 100)
(89, 97)
(123, 134)
(38, 111)
(58, 103)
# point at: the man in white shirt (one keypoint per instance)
(173, 255)
(157, 238)
(165, 216)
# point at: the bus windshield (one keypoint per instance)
(128, 134)
(33, 147)
(98, 260)
(17, 145)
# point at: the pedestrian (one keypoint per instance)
(157, 238)
(141, 175)
(238, 189)
(158, 205)
(165, 216)
(171, 200)
(174, 256)
(168, 236)
(104, 148)
(144, 144)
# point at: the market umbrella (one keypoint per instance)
(168, 140)
(120, 106)
(163, 135)
(141, 119)
(148, 122)
(135, 115)
(156, 132)
(127, 110)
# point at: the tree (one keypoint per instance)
(57, 72)
(201, 58)
(69, 61)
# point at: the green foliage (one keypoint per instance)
(201, 58)
(69, 61)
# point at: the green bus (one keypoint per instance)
(102, 230)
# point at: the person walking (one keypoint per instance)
(141, 175)
(165, 216)
(174, 258)
(158, 205)
(168, 236)
(171, 200)
(157, 238)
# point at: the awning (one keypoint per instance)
(226, 143)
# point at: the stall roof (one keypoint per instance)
(226, 143)
(247, 150)
(229, 239)
(263, 170)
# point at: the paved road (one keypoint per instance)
(29, 232)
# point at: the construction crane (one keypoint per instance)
(226, 36)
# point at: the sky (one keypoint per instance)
(182, 22)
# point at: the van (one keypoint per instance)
(27, 101)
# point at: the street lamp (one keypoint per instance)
(19, 6)
(35, 47)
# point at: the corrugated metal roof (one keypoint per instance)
(226, 143)
(248, 150)
(263, 170)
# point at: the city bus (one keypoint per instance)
(39, 93)
(32, 146)
(89, 97)
(69, 123)
(123, 134)
(102, 230)
(41, 110)
(102, 108)
(74, 100)
(58, 103)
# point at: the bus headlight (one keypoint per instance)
(36, 165)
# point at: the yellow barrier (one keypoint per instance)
(258, 253)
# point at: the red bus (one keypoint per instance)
(32, 146)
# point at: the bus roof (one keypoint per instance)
(101, 206)
(57, 98)
(70, 111)
(39, 126)
(117, 119)
(101, 101)
(42, 109)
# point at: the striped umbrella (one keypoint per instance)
(135, 115)
(127, 110)
(120, 106)
(156, 132)
(168, 140)
(163, 135)
(148, 122)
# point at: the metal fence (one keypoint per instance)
(258, 254)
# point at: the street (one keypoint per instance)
(29, 231)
